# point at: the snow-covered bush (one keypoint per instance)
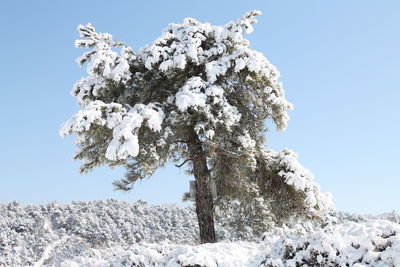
(115, 233)
(373, 243)
(26, 230)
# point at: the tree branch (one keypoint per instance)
(183, 163)
(228, 153)
(223, 151)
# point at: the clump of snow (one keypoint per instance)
(246, 141)
(125, 141)
(203, 97)
(124, 123)
(190, 94)
(93, 114)
(115, 233)
(301, 178)
(103, 63)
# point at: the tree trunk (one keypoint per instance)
(204, 201)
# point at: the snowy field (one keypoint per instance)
(115, 233)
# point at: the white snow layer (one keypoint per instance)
(124, 123)
(114, 233)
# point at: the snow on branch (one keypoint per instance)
(123, 121)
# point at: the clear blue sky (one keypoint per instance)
(339, 61)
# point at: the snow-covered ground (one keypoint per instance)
(115, 233)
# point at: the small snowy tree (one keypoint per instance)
(198, 95)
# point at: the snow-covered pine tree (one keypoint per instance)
(198, 95)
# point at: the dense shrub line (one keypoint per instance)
(115, 233)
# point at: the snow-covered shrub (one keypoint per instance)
(373, 243)
(115, 233)
(26, 230)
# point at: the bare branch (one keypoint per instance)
(183, 163)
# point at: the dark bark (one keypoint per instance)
(204, 201)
